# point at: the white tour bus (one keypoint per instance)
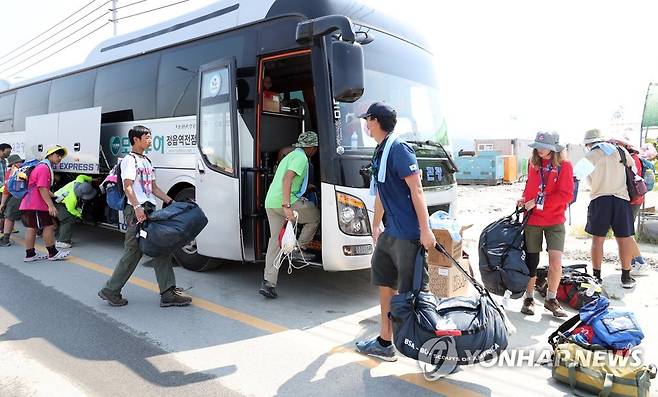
(197, 83)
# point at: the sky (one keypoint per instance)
(506, 68)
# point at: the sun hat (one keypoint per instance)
(547, 140)
(55, 149)
(307, 139)
(626, 141)
(84, 191)
(593, 136)
(13, 159)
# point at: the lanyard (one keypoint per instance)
(542, 186)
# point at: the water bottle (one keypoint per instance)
(354, 143)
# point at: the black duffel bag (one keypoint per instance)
(502, 256)
(171, 228)
(444, 333)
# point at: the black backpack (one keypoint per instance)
(502, 256)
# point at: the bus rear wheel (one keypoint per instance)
(188, 257)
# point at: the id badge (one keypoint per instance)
(539, 203)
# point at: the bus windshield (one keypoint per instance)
(402, 75)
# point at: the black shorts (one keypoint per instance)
(393, 263)
(37, 219)
(608, 212)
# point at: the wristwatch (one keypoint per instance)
(286, 205)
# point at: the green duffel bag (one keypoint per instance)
(600, 372)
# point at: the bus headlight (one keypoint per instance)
(352, 215)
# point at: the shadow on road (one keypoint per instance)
(79, 331)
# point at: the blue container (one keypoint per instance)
(486, 168)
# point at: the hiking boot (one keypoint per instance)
(36, 257)
(528, 306)
(174, 297)
(59, 255)
(62, 244)
(5, 242)
(553, 306)
(268, 290)
(373, 348)
(628, 283)
(112, 298)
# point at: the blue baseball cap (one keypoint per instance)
(379, 109)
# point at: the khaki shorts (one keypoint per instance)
(534, 236)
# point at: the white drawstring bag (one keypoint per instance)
(288, 244)
(288, 240)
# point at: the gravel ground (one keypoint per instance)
(481, 205)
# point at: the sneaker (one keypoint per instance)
(36, 257)
(640, 268)
(628, 283)
(59, 255)
(5, 242)
(111, 298)
(62, 244)
(528, 306)
(268, 290)
(15, 231)
(553, 306)
(373, 348)
(174, 297)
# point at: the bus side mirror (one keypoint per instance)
(346, 71)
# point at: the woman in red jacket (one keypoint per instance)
(547, 193)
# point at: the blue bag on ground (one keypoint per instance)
(171, 228)
(614, 329)
(502, 256)
(447, 332)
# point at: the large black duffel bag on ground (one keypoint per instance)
(171, 228)
(444, 333)
(502, 256)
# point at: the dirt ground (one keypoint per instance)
(482, 205)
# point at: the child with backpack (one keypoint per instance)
(548, 192)
(9, 206)
(38, 208)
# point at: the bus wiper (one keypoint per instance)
(440, 146)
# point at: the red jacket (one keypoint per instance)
(558, 193)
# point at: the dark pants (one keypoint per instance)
(164, 271)
(393, 264)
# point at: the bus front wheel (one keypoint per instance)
(188, 257)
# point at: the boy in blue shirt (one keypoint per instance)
(400, 204)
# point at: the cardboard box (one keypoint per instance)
(271, 103)
(454, 248)
(446, 282)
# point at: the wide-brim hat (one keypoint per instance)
(307, 139)
(626, 141)
(547, 140)
(13, 159)
(593, 136)
(56, 149)
(84, 191)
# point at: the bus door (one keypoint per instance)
(218, 165)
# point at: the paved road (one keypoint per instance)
(57, 337)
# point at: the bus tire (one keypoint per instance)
(187, 256)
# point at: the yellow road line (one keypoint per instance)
(441, 386)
